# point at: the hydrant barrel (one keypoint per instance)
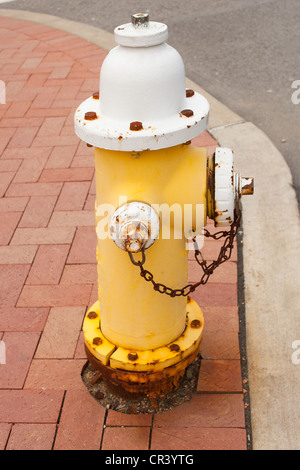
(133, 315)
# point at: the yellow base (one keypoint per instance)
(149, 360)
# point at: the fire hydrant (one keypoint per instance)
(154, 191)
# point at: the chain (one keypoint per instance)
(208, 269)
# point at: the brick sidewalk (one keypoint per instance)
(48, 271)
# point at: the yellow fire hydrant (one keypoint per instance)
(154, 191)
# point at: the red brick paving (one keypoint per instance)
(48, 271)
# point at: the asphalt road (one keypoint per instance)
(246, 53)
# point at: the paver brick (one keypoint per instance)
(83, 161)
(170, 438)
(55, 295)
(53, 343)
(220, 376)
(73, 196)
(121, 438)
(214, 294)
(5, 180)
(30, 406)
(48, 265)
(202, 411)
(47, 112)
(55, 374)
(8, 224)
(61, 157)
(66, 174)
(220, 340)
(23, 137)
(79, 274)
(34, 189)
(20, 347)
(83, 249)
(31, 169)
(81, 422)
(9, 165)
(51, 126)
(23, 319)
(26, 436)
(25, 153)
(43, 236)
(38, 211)
(114, 418)
(17, 254)
(18, 109)
(12, 278)
(72, 219)
(36, 80)
(4, 433)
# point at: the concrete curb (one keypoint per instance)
(271, 249)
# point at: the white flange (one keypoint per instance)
(134, 226)
(229, 186)
(143, 102)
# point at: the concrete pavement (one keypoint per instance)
(271, 235)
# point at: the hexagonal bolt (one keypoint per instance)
(246, 186)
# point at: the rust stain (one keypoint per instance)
(132, 384)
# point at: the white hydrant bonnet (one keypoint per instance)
(143, 102)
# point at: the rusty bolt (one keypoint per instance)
(92, 315)
(174, 347)
(132, 356)
(189, 93)
(195, 324)
(97, 341)
(99, 395)
(136, 126)
(187, 113)
(247, 186)
(96, 95)
(90, 116)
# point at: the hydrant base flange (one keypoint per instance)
(139, 373)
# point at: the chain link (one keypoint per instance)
(208, 269)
